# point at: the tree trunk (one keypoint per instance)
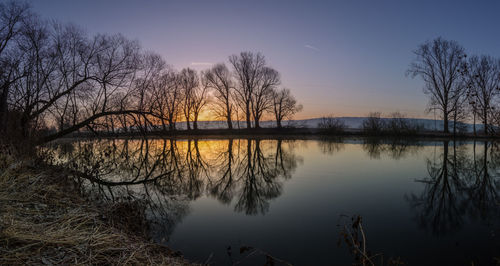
(445, 126)
(3, 108)
(485, 123)
(228, 116)
(474, 125)
(279, 123)
(195, 123)
(163, 126)
(454, 124)
(171, 125)
(249, 124)
(25, 126)
(257, 125)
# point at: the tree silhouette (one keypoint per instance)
(439, 63)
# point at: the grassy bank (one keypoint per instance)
(45, 219)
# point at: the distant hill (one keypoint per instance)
(350, 122)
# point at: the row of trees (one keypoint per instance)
(460, 87)
(56, 76)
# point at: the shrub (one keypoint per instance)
(332, 124)
(373, 124)
(398, 124)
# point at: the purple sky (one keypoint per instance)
(345, 58)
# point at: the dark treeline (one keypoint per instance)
(460, 87)
(55, 79)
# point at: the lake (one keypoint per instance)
(425, 202)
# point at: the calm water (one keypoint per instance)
(426, 202)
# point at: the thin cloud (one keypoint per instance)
(201, 63)
(311, 47)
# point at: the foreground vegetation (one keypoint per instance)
(44, 219)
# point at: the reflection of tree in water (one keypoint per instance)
(258, 180)
(438, 206)
(165, 174)
(331, 146)
(458, 186)
(253, 174)
(222, 185)
(129, 171)
(196, 171)
(285, 160)
(165, 211)
(483, 183)
(112, 162)
(394, 148)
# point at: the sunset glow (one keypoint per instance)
(338, 58)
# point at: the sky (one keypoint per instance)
(340, 58)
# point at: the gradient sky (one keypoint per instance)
(345, 58)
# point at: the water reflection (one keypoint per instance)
(483, 185)
(460, 185)
(331, 146)
(250, 172)
(394, 148)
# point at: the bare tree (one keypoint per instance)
(74, 81)
(200, 99)
(57, 80)
(284, 105)
(145, 89)
(483, 80)
(374, 124)
(111, 89)
(39, 68)
(12, 16)
(174, 91)
(438, 63)
(219, 79)
(189, 82)
(459, 111)
(332, 124)
(165, 98)
(262, 96)
(247, 68)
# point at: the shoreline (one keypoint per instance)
(283, 133)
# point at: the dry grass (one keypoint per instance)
(45, 220)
